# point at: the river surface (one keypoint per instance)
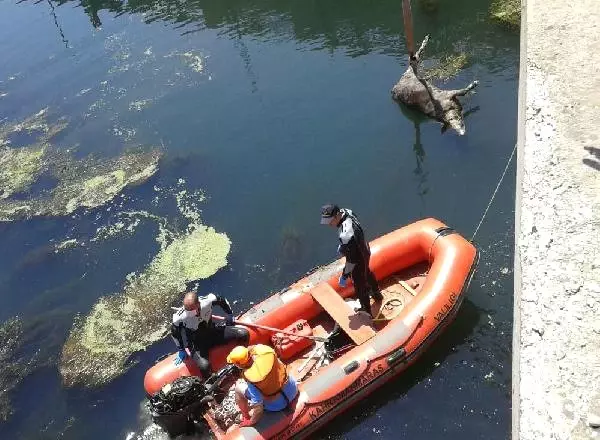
(271, 109)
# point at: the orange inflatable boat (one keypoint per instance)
(423, 271)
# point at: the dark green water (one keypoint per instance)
(277, 108)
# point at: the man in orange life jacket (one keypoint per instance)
(266, 385)
(355, 248)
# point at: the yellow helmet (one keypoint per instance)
(239, 356)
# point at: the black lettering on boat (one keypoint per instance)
(295, 427)
(315, 412)
(446, 307)
(325, 406)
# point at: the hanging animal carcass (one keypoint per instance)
(443, 105)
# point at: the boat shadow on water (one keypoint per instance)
(456, 334)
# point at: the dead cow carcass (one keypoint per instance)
(442, 105)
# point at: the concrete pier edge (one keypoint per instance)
(556, 327)
(522, 111)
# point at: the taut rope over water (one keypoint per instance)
(494, 194)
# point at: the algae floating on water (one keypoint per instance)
(190, 59)
(94, 183)
(507, 12)
(87, 183)
(27, 344)
(100, 344)
(140, 104)
(65, 244)
(448, 67)
(11, 373)
(21, 166)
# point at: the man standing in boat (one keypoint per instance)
(356, 249)
(266, 385)
(194, 329)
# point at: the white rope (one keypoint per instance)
(495, 191)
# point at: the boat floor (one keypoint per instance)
(397, 292)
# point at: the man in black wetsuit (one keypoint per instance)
(194, 329)
(357, 252)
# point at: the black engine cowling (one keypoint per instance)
(178, 395)
(177, 406)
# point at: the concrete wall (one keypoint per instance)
(556, 344)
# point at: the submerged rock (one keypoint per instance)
(99, 345)
(292, 247)
(429, 6)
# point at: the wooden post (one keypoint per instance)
(408, 27)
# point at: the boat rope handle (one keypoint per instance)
(494, 194)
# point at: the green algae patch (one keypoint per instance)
(12, 369)
(126, 224)
(35, 124)
(26, 346)
(190, 59)
(99, 345)
(448, 67)
(80, 183)
(87, 183)
(66, 244)
(19, 168)
(95, 183)
(507, 12)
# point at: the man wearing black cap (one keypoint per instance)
(355, 248)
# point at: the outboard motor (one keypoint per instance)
(179, 405)
(175, 407)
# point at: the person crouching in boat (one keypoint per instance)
(265, 386)
(194, 329)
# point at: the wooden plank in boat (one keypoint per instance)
(404, 284)
(358, 326)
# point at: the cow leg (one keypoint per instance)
(422, 48)
(462, 92)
